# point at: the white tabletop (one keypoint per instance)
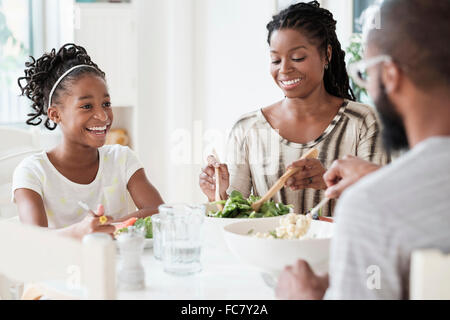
(223, 277)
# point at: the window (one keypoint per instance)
(359, 6)
(15, 40)
(25, 31)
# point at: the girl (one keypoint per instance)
(318, 111)
(70, 90)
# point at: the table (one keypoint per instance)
(223, 277)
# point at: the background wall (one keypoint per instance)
(203, 64)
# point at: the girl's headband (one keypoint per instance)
(62, 77)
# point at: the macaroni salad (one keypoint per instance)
(292, 226)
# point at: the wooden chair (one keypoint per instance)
(430, 275)
(56, 267)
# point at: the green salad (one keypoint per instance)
(238, 207)
(144, 223)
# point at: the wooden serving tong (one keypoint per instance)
(211, 160)
(311, 154)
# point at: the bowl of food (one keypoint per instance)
(144, 224)
(237, 208)
(270, 245)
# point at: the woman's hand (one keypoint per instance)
(345, 172)
(207, 180)
(310, 175)
(93, 223)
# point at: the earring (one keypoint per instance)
(326, 66)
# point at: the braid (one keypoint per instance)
(42, 74)
(318, 24)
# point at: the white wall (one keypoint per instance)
(232, 67)
(342, 11)
(202, 63)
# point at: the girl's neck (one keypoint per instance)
(75, 155)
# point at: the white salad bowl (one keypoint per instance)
(213, 227)
(271, 255)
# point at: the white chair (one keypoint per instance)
(430, 275)
(54, 266)
(16, 145)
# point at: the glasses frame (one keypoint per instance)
(358, 67)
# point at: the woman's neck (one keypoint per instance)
(315, 105)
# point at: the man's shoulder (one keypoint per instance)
(371, 191)
(401, 179)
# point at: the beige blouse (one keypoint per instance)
(257, 155)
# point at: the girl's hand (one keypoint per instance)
(94, 222)
(207, 180)
(310, 175)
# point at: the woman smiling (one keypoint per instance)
(318, 111)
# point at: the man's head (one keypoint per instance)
(413, 33)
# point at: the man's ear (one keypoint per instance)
(390, 75)
(53, 114)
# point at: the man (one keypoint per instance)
(404, 206)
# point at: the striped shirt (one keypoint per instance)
(387, 215)
(257, 156)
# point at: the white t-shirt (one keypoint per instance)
(61, 196)
(387, 215)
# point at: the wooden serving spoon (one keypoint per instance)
(211, 160)
(311, 154)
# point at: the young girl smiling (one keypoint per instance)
(70, 90)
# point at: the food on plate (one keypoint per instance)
(238, 207)
(126, 223)
(145, 223)
(291, 226)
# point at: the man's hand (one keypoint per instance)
(298, 282)
(345, 172)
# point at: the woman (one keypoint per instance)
(318, 111)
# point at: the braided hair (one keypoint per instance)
(317, 24)
(42, 74)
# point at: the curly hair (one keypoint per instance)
(42, 74)
(318, 24)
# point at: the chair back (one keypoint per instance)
(79, 269)
(430, 275)
(16, 145)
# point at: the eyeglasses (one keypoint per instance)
(358, 70)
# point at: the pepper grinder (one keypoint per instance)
(131, 274)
